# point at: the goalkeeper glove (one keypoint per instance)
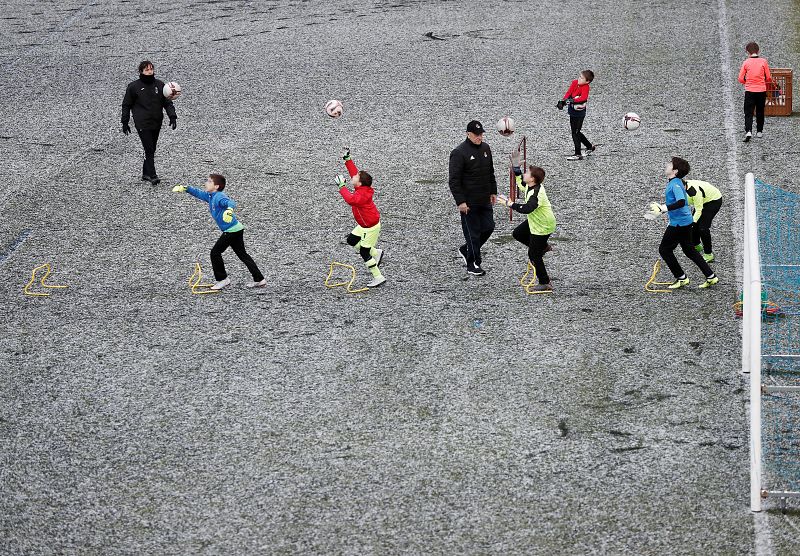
(346, 155)
(516, 159)
(560, 104)
(503, 200)
(179, 189)
(340, 181)
(227, 216)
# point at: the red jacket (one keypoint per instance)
(579, 93)
(755, 74)
(364, 210)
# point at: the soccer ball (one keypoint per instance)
(505, 126)
(171, 90)
(631, 121)
(334, 108)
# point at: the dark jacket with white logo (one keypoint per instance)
(147, 102)
(472, 178)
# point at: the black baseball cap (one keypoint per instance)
(475, 127)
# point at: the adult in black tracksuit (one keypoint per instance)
(144, 96)
(474, 188)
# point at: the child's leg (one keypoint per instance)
(354, 238)
(710, 210)
(761, 101)
(522, 233)
(575, 125)
(237, 244)
(668, 244)
(367, 249)
(216, 256)
(536, 255)
(749, 106)
(684, 237)
(696, 235)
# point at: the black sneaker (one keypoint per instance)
(155, 180)
(146, 178)
(475, 270)
(462, 251)
(590, 150)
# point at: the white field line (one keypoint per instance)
(763, 541)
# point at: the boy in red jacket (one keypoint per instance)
(575, 98)
(364, 237)
(755, 76)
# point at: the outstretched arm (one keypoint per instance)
(199, 194)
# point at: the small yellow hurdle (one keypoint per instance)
(48, 270)
(652, 281)
(196, 286)
(349, 283)
(532, 282)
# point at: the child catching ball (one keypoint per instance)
(364, 237)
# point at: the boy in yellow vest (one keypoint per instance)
(706, 200)
(541, 221)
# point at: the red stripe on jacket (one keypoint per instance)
(364, 210)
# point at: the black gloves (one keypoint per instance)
(173, 123)
(560, 105)
(126, 129)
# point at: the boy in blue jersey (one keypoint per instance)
(221, 208)
(679, 231)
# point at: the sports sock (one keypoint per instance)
(372, 266)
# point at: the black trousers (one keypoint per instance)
(149, 139)
(234, 240)
(754, 101)
(701, 231)
(681, 235)
(536, 248)
(576, 124)
(477, 225)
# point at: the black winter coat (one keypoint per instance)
(147, 102)
(472, 178)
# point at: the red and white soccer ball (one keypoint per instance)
(631, 121)
(505, 126)
(334, 108)
(171, 90)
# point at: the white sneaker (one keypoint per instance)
(261, 284)
(575, 157)
(759, 135)
(378, 256)
(377, 281)
(221, 284)
(747, 137)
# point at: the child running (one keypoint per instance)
(679, 231)
(364, 237)
(541, 221)
(706, 200)
(221, 208)
(755, 76)
(575, 99)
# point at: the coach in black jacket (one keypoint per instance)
(474, 188)
(145, 97)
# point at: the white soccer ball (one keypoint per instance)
(631, 121)
(505, 126)
(171, 90)
(334, 108)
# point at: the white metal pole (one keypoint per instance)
(752, 308)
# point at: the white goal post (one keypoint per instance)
(751, 334)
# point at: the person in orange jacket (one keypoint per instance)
(755, 77)
(364, 237)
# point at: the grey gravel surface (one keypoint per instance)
(437, 414)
